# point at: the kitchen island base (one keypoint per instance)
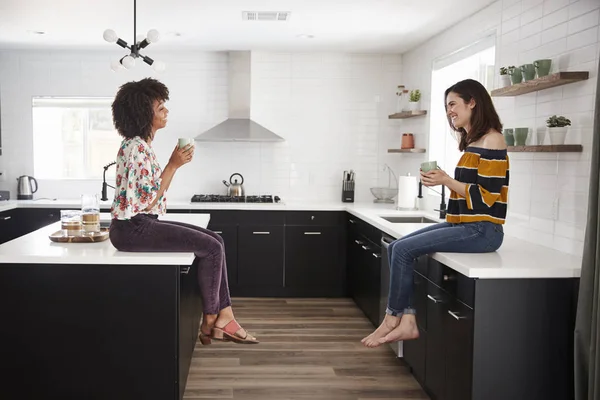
(97, 331)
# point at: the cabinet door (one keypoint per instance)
(435, 359)
(8, 226)
(373, 264)
(420, 299)
(312, 256)
(414, 352)
(458, 324)
(229, 233)
(260, 255)
(353, 255)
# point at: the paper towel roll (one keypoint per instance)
(408, 189)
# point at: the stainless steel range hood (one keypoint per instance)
(239, 127)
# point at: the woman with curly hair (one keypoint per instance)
(138, 113)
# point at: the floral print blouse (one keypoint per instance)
(138, 181)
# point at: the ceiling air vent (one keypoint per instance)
(266, 15)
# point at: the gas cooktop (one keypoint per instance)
(219, 198)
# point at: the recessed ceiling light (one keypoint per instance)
(304, 36)
(36, 32)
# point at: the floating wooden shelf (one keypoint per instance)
(553, 148)
(406, 151)
(545, 82)
(408, 114)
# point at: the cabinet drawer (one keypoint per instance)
(220, 217)
(453, 282)
(322, 218)
(261, 218)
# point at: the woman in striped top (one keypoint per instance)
(476, 209)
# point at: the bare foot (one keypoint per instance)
(388, 324)
(407, 330)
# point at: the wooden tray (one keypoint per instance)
(61, 237)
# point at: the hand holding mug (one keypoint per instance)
(183, 153)
(434, 177)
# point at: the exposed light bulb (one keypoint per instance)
(159, 66)
(128, 62)
(116, 65)
(153, 36)
(110, 36)
(140, 37)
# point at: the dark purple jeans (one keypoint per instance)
(145, 233)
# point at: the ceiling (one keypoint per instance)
(388, 26)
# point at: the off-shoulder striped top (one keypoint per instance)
(486, 174)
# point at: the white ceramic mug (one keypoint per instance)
(184, 142)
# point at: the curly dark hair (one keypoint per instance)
(484, 116)
(133, 107)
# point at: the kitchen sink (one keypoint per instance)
(410, 220)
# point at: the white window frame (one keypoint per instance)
(71, 102)
(439, 145)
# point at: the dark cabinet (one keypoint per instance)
(435, 351)
(8, 226)
(465, 350)
(364, 267)
(314, 259)
(458, 324)
(229, 233)
(260, 255)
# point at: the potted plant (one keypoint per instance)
(557, 129)
(504, 77)
(414, 100)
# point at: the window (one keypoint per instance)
(474, 62)
(73, 138)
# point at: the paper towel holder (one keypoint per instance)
(414, 200)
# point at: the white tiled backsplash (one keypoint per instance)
(548, 192)
(332, 110)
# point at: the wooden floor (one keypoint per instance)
(310, 349)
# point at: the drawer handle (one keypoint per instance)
(261, 233)
(184, 271)
(376, 255)
(455, 315)
(352, 221)
(365, 247)
(7, 218)
(358, 242)
(312, 233)
(430, 297)
(218, 232)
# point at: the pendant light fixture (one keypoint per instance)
(128, 61)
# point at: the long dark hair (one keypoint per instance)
(133, 107)
(483, 117)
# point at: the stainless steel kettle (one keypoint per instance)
(234, 188)
(25, 190)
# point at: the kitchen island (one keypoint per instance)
(85, 321)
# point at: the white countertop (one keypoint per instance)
(36, 248)
(515, 259)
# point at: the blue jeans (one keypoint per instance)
(473, 237)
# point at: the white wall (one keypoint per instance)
(331, 109)
(548, 192)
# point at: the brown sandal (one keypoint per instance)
(229, 332)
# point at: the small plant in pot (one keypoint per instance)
(557, 129)
(414, 100)
(504, 77)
